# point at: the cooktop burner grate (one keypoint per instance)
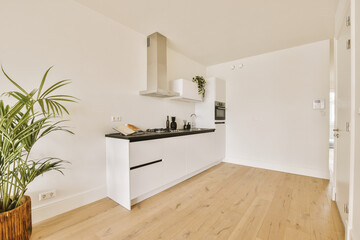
(158, 130)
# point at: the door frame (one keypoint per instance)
(355, 121)
(352, 233)
(335, 72)
(340, 18)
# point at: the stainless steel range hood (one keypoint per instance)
(157, 83)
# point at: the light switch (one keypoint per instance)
(319, 104)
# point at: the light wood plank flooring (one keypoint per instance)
(225, 202)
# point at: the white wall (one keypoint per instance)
(107, 63)
(270, 120)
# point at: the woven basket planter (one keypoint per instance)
(16, 224)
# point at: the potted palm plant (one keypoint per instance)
(31, 116)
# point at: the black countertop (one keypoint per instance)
(153, 135)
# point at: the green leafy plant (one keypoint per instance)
(32, 116)
(200, 80)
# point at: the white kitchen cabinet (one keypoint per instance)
(200, 152)
(205, 111)
(215, 90)
(146, 159)
(220, 90)
(194, 158)
(118, 171)
(138, 170)
(145, 151)
(187, 89)
(174, 155)
(220, 141)
(146, 178)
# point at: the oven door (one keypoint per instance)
(220, 113)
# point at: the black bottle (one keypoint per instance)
(167, 123)
(188, 126)
(173, 124)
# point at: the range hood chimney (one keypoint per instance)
(157, 83)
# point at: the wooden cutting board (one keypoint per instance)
(124, 129)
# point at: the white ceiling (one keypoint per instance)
(216, 31)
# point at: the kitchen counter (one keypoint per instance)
(157, 135)
(137, 169)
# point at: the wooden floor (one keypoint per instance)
(225, 202)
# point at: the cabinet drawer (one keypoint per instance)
(146, 178)
(145, 152)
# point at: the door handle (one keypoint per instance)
(336, 130)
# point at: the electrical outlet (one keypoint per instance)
(47, 195)
(115, 118)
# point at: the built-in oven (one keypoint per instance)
(220, 111)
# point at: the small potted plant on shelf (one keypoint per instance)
(200, 80)
(30, 117)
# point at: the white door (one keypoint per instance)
(342, 120)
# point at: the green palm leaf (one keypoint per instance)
(22, 125)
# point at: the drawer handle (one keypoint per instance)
(145, 164)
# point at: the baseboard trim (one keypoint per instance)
(46, 211)
(277, 167)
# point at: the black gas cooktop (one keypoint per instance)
(152, 131)
(160, 130)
